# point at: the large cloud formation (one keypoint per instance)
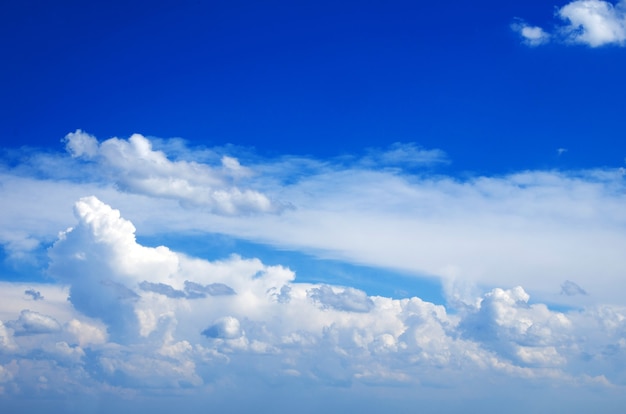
(137, 320)
(540, 229)
(122, 318)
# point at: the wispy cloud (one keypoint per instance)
(401, 155)
(589, 22)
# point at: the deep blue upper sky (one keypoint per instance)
(317, 78)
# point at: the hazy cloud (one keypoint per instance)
(163, 289)
(34, 294)
(404, 155)
(570, 288)
(346, 299)
(196, 290)
(531, 35)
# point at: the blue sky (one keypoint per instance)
(387, 204)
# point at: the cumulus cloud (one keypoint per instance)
(530, 228)
(90, 258)
(138, 168)
(120, 316)
(594, 22)
(86, 333)
(526, 333)
(590, 22)
(173, 323)
(225, 328)
(81, 144)
(30, 323)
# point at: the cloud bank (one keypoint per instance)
(136, 321)
(537, 228)
(124, 320)
(589, 22)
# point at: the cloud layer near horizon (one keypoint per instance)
(122, 318)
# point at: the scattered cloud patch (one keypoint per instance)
(593, 23)
(531, 35)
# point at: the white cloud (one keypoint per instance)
(6, 339)
(590, 22)
(505, 322)
(137, 167)
(594, 22)
(81, 144)
(532, 228)
(86, 333)
(531, 35)
(271, 327)
(30, 323)
(225, 328)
